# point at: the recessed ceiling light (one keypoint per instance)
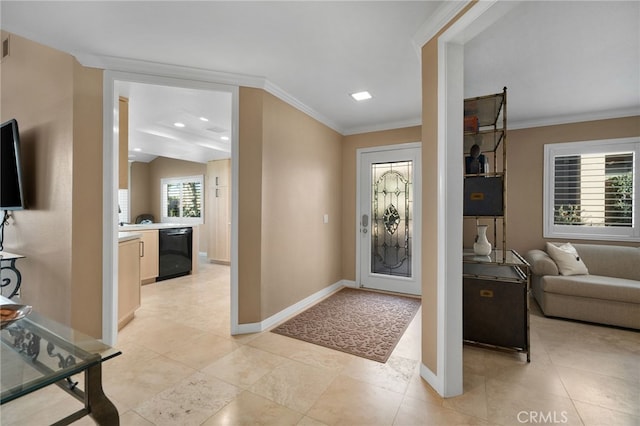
(361, 96)
(224, 138)
(204, 119)
(178, 124)
(137, 149)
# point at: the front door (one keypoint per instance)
(389, 218)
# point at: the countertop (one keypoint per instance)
(149, 226)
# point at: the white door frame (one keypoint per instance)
(110, 182)
(417, 191)
(447, 380)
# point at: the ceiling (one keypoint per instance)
(561, 61)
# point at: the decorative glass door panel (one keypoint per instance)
(391, 233)
(389, 219)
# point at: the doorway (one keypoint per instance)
(110, 186)
(389, 218)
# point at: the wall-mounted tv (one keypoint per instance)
(11, 192)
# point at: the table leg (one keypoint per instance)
(101, 409)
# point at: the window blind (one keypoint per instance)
(594, 189)
(183, 198)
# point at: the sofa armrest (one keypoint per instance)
(541, 263)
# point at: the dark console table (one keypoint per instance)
(496, 301)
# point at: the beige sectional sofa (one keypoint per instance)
(608, 294)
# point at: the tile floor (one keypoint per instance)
(180, 366)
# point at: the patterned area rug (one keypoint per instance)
(359, 322)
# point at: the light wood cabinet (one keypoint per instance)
(149, 265)
(128, 280)
(123, 143)
(219, 208)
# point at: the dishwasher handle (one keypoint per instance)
(176, 232)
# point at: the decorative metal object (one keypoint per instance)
(25, 341)
(391, 219)
(11, 277)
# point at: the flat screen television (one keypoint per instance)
(11, 192)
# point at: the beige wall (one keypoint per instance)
(58, 105)
(290, 176)
(301, 181)
(86, 243)
(163, 167)
(525, 163)
(429, 204)
(350, 144)
(250, 205)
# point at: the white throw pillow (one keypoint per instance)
(567, 259)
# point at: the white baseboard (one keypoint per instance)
(294, 309)
(348, 283)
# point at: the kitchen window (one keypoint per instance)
(182, 199)
(589, 190)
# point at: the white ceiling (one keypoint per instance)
(561, 61)
(154, 110)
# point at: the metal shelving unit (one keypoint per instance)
(495, 287)
(486, 127)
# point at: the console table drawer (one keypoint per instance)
(495, 312)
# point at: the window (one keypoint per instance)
(182, 199)
(589, 190)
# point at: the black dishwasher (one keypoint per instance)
(175, 252)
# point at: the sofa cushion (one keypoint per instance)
(610, 260)
(593, 286)
(567, 259)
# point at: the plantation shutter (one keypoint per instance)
(191, 199)
(182, 198)
(172, 198)
(593, 189)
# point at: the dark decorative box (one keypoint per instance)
(483, 196)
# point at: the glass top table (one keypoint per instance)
(36, 352)
(507, 265)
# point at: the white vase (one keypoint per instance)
(482, 246)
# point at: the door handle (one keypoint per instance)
(141, 248)
(365, 223)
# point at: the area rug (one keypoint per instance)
(365, 323)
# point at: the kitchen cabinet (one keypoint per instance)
(219, 207)
(128, 280)
(149, 262)
(123, 143)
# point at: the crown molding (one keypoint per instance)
(168, 70)
(294, 102)
(199, 74)
(442, 16)
(575, 118)
(391, 125)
